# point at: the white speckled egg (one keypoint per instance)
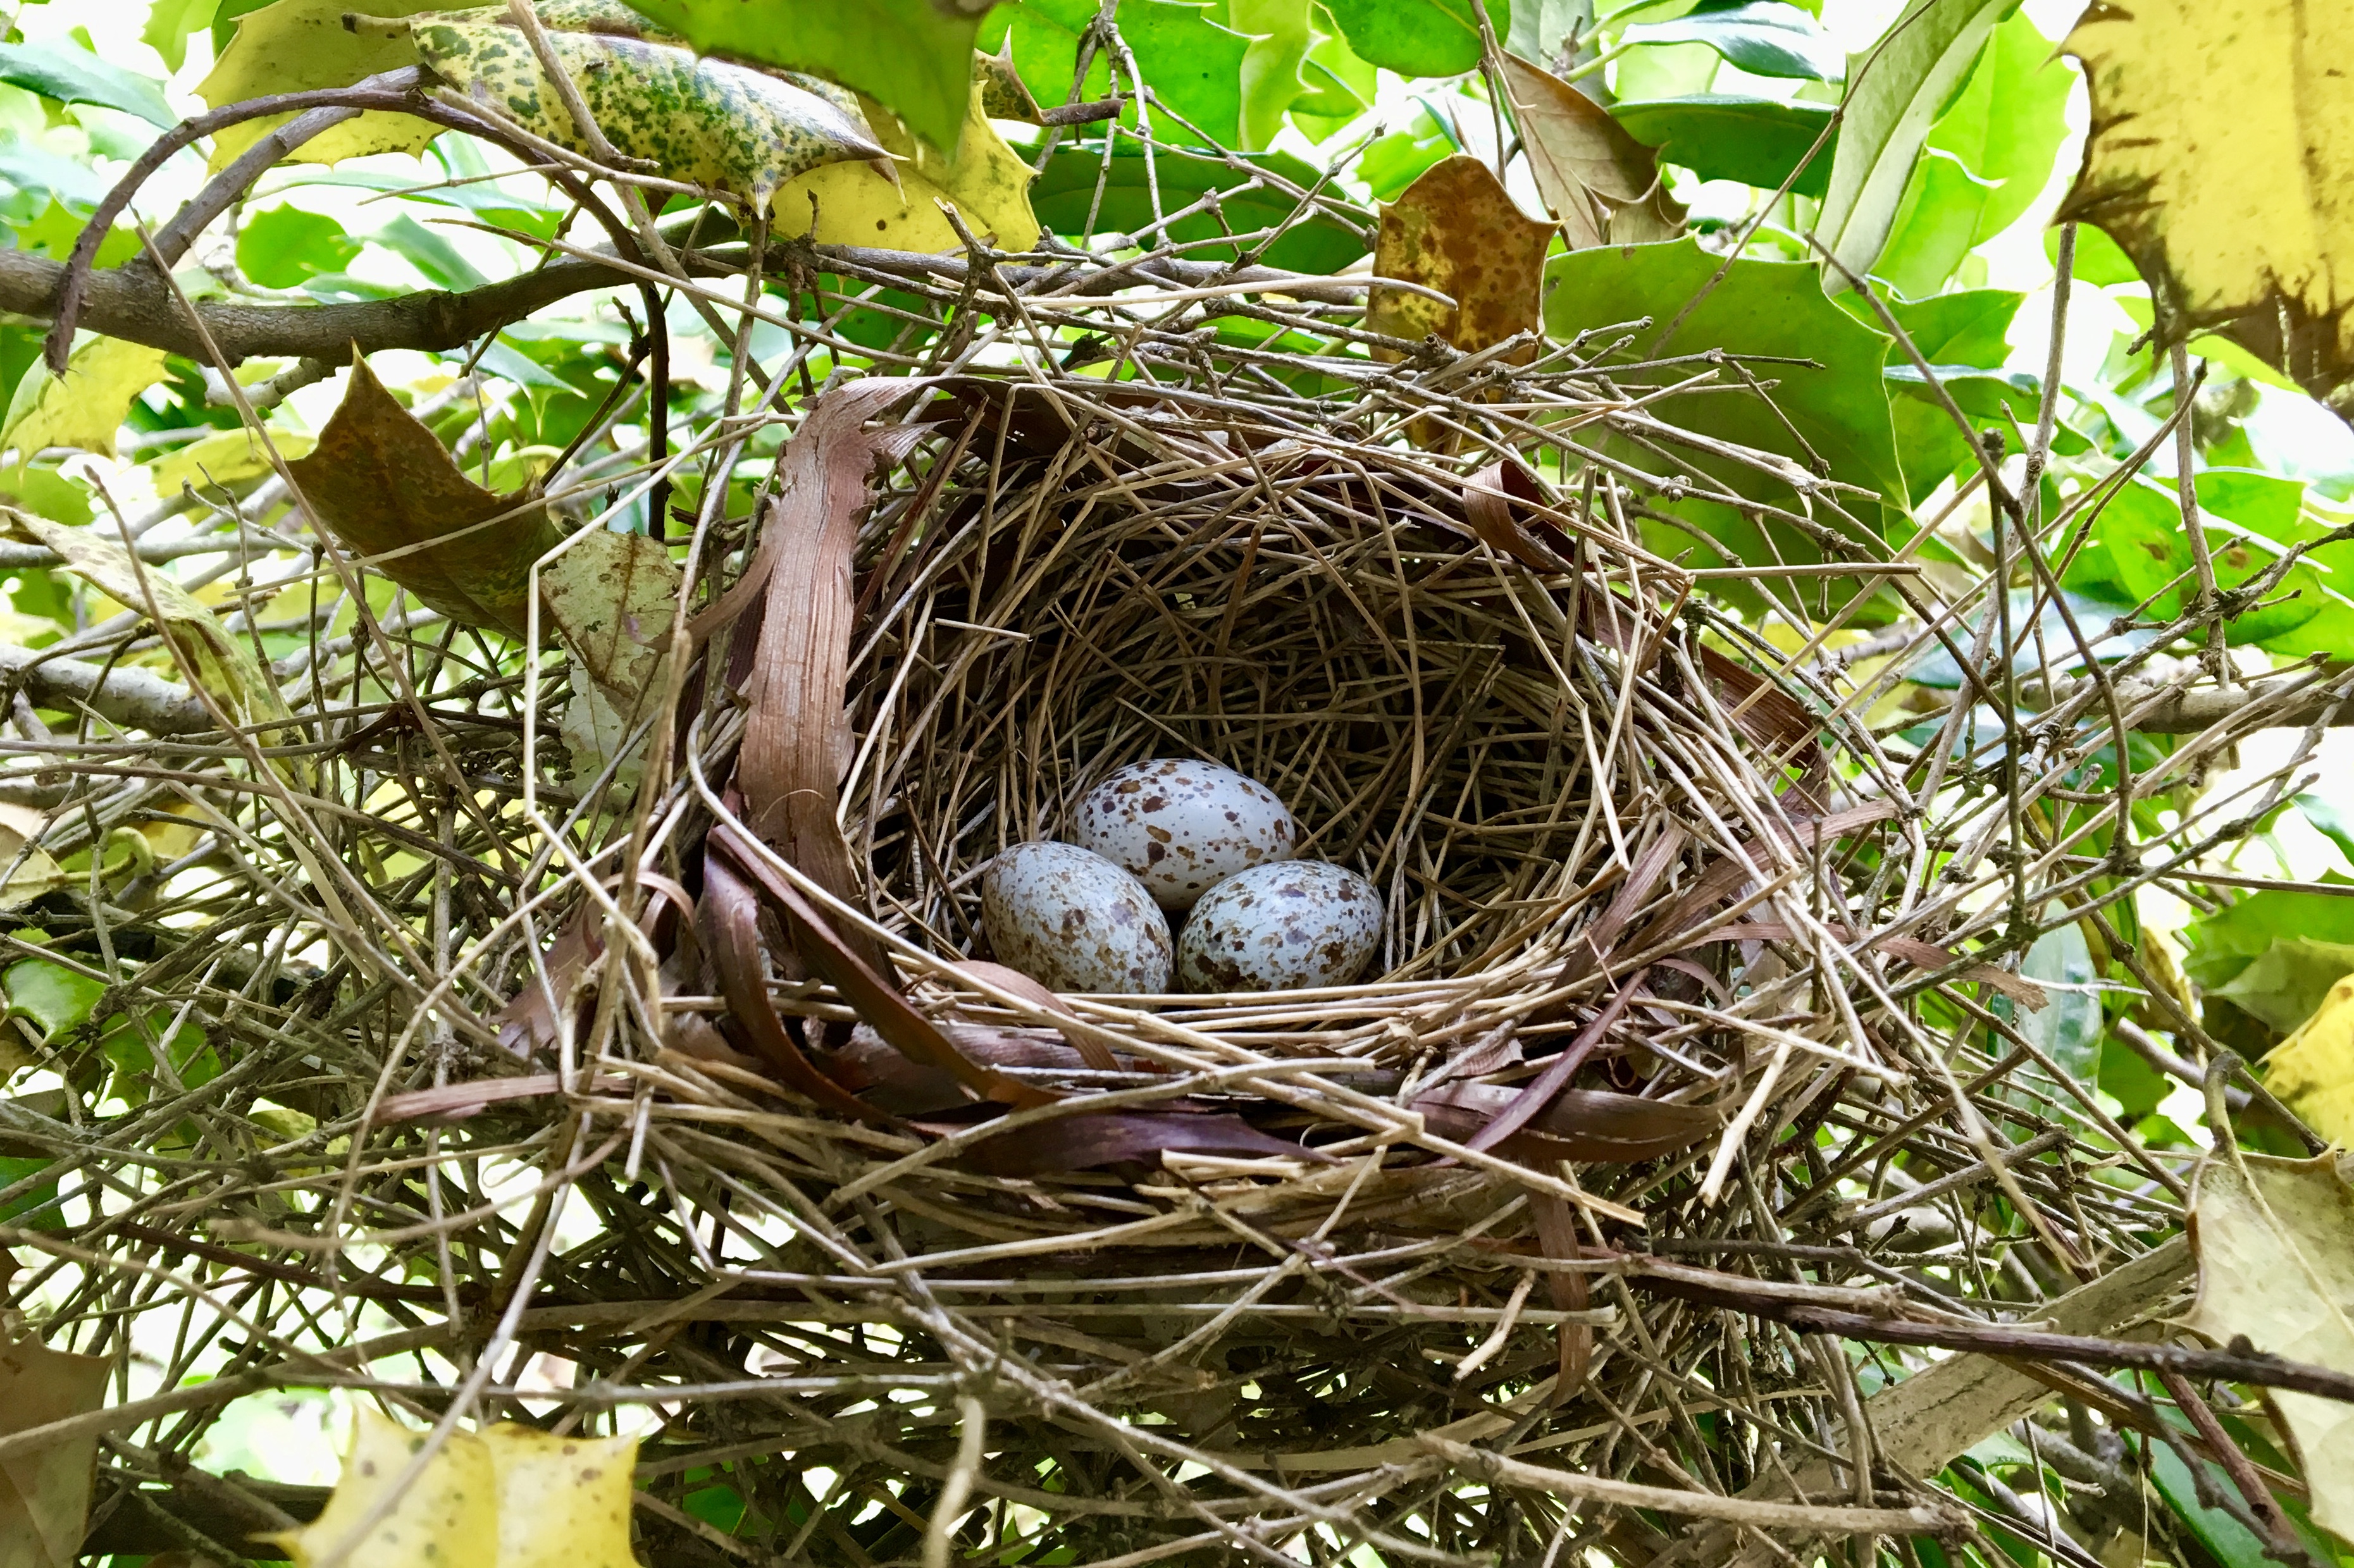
(1179, 826)
(1072, 920)
(1283, 926)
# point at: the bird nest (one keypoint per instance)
(697, 1114)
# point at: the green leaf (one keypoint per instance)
(914, 57)
(13, 1170)
(706, 120)
(1970, 328)
(139, 1054)
(2287, 982)
(56, 998)
(169, 23)
(1988, 157)
(39, 172)
(2333, 822)
(1338, 88)
(1066, 188)
(58, 229)
(1418, 38)
(1190, 61)
(1839, 403)
(1395, 161)
(71, 75)
(2068, 1027)
(2220, 945)
(2098, 260)
(430, 252)
(1763, 37)
(1540, 28)
(46, 491)
(1270, 78)
(1896, 92)
(1936, 226)
(2229, 1541)
(281, 247)
(1719, 136)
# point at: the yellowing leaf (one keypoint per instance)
(611, 596)
(221, 663)
(2276, 1251)
(294, 45)
(387, 488)
(45, 1494)
(1585, 165)
(710, 121)
(228, 458)
(856, 203)
(2312, 1071)
(447, 1514)
(1456, 229)
(84, 407)
(27, 869)
(2214, 162)
(564, 1502)
(545, 1501)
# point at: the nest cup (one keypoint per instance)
(1450, 719)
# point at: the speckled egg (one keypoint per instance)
(1179, 826)
(1283, 926)
(1072, 920)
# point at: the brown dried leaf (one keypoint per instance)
(1591, 1125)
(1456, 229)
(386, 488)
(1082, 1142)
(796, 733)
(45, 1494)
(1586, 165)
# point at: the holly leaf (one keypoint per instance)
(228, 457)
(611, 597)
(1585, 164)
(84, 407)
(914, 57)
(72, 76)
(44, 1492)
(1896, 92)
(1835, 401)
(292, 46)
(1278, 34)
(1763, 37)
(2226, 200)
(511, 1494)
(1418, 38)
(703, 121)
(857, 204)
(1987, 159)
(1722, 136)
(387, 490)
(1065, 194)
(1193, 62)
(169, 23)
(285, 247)
(215, 659)
(1457, 230)
(2275, 1240)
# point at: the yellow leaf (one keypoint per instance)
(546, 1501)
(444, 1517)
(2276, 1251)
(2214, 160)
(1457, 230)
(2312, 1071)
(859, 205)
(296, 44)
(221, 663)
(228, 458)
(45, 1494)
(611, 596)
(84, 407)
(564, 1502)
